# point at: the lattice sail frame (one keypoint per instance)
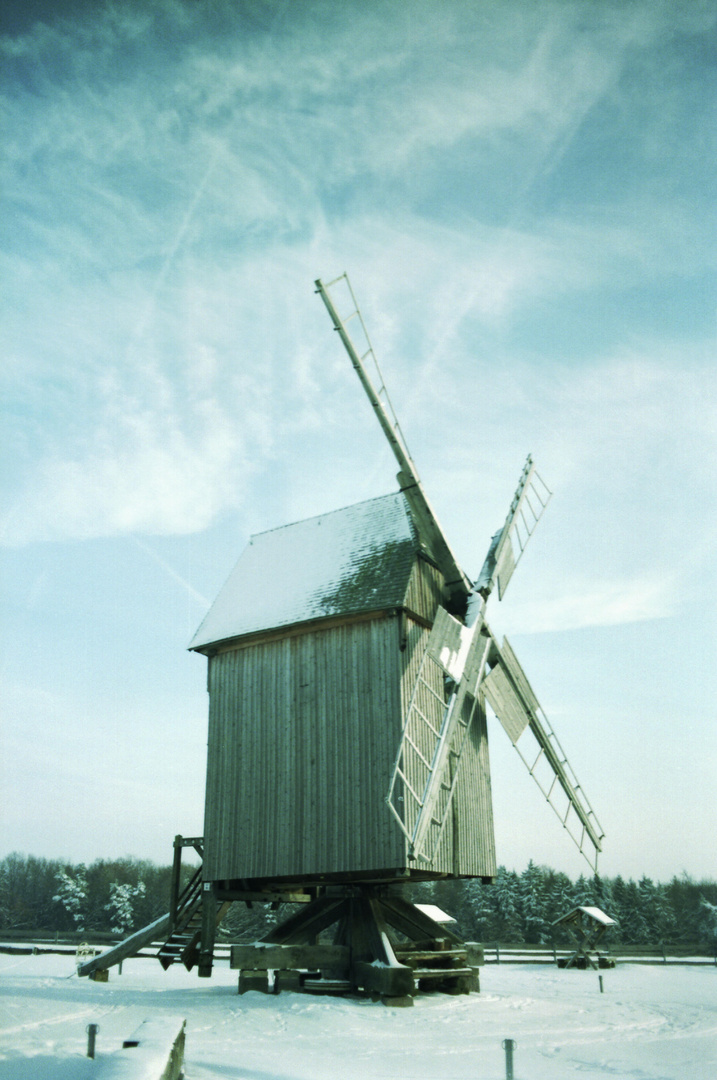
(425, 772)
(528, 506)
(514, 703)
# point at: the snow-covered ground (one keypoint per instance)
(651, 1023)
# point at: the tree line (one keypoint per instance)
(112, 896)
(122, 895)
(522, 907)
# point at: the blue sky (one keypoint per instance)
(523, 195)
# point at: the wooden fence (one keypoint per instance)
(690, 953)
(669, 953)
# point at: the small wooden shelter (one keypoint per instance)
(586, 926)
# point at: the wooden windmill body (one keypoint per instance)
(314, 648)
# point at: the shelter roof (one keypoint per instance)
(435, 913)
(592, 912)
(350, 561)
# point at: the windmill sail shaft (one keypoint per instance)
(430, 531)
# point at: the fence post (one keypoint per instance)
(91, 1030)
(509, 1046)
(497, 952)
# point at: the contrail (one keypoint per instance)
(172, 572)
(178, 238)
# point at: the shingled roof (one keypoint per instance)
(350, 561)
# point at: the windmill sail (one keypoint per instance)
(438, 720)
(526, 509)
(513, 701)
(437, 725)
(362, 355)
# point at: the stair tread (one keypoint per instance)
(431, 954)
(441, 973)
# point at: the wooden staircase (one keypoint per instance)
(186, 925)
(183, 941)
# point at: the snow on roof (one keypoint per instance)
(346, 562)
(435, 913)
(593, 912)
(598, 915)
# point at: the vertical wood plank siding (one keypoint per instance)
(296, 780)
(425, 588)
(474, 833)
(303, 733)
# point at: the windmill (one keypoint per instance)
(349, 666)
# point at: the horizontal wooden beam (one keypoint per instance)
(261, 957)
(261, 637)
(274, 896)
(389, 981)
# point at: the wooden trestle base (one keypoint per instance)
(360, 939)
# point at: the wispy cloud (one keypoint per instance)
(582, 604)
(522, 194)
(178, 208)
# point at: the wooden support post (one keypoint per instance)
(289, 957)
(176, 876)
(415, 924)
(371, 943)
(209, 930)
(305, 925)
(287, 980)
(253, 980)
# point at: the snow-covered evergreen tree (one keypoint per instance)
(708, 922)
(504, 902)
(583, 892)
(481, 911)
(635, 928)
(532, 907)
(72, 894)
(618, 889)
(656, 910)
(602, 894)
(121, 905)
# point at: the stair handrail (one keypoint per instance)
(186, 898)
